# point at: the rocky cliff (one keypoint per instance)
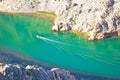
(17, 72)
(98, 19)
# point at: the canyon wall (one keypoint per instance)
(98, 19)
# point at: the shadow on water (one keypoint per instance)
(10, 58)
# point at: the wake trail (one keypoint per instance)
(77, 51)
(47, 39)
(58, 42)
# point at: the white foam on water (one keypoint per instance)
(47, 39)
(51, 40)
(77, 50)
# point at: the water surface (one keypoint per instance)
(62, 49)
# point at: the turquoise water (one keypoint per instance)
(62, 49)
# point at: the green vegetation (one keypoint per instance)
(75, 4)
(0, 0)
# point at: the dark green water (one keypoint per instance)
(70, 51)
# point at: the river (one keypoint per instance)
(33, 37)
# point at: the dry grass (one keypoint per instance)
(85, 35)
(50, 16)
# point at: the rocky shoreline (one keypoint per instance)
(14, 64)
(96, 19)
(15, 68)
(17, 72)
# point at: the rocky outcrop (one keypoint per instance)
(98, 19)
(17, 72)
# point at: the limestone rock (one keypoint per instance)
(99, 19)
(17, 72)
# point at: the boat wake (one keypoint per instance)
(84, 52)
(58, 42)
(47, 39)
